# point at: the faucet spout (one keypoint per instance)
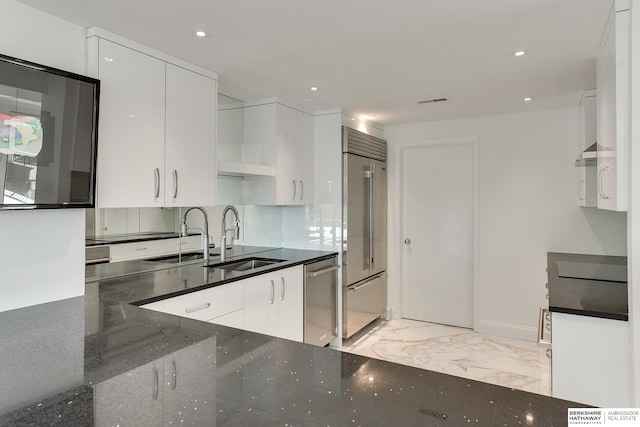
(223, 231)
(204, 231)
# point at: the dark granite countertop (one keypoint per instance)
(91, 361)
(588, 285)
(142, 282)
(100, 360)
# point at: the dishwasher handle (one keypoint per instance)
(317, 273)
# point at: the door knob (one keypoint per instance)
(407, 241)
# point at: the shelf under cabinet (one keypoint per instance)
(244, 169)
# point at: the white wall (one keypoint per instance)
(527, 206)
(41, 253)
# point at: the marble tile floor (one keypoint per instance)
(517, 364)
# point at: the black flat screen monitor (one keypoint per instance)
(48, 136)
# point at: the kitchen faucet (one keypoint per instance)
(204, 232)
(223, 232)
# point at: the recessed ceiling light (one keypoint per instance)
(314, 88)
(200, 33)
(106, 58)
(528, 98)
(369, 116)
(519, 53)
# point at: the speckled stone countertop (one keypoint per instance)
(94, 360)
(142, 282)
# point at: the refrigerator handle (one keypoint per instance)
(369, 176)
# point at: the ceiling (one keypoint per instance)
(373, 57)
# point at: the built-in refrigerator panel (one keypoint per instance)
(364, 230)
(356, 214)
(379, 218)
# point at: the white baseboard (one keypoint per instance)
(507, 330)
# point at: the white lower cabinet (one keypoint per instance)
(590, 360)
(274, 304)
(270, 303)
(204, 305)
(162, 392)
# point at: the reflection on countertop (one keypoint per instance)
(150, 368)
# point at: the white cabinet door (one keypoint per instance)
(613, 81)
(304, 158)
(286, 168)
(280, 136)
(134, 398)
(587, 184)
(289, 319)
(259, 300)
(274, 304)
(590, 360)
(131, 134)
(191, 136)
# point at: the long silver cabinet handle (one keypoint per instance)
(156, 385)
(175, 183)
(282, 289)
(322, 271)
(301, 189)
(273, 292)
(367, 283)
(156, 182)
(293, 181)
(198, 308)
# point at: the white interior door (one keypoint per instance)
(437, 230)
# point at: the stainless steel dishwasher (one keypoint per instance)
(320, 302)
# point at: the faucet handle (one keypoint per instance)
(183, 229)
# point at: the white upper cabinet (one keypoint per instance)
(190, 173)
(613, 82)
(156, 141)
(586, 162)
(280, 136)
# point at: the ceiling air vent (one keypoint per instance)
(429, 101)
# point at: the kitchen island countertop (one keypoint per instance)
(96, 360)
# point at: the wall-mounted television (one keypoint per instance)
(48, 136)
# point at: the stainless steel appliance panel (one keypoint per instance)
(320, 302)
(356, 219)
(379, 217)
(363, 303)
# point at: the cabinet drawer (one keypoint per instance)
(127, 251)
(184, 244)
(204, 305)
(233, 320)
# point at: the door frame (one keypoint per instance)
(396, 224)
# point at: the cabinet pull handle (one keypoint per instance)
(156, 182)
(175, 183)
(282, 289)
(301, 189)
(154, 393)
(174, 375)
(273, 292)
(200, 307)
(141, 249)
(601, 183)
(293, 181)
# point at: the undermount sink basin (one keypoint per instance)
(246, 264)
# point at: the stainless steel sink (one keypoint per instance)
(246, 264)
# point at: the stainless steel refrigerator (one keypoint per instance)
(364, 215)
